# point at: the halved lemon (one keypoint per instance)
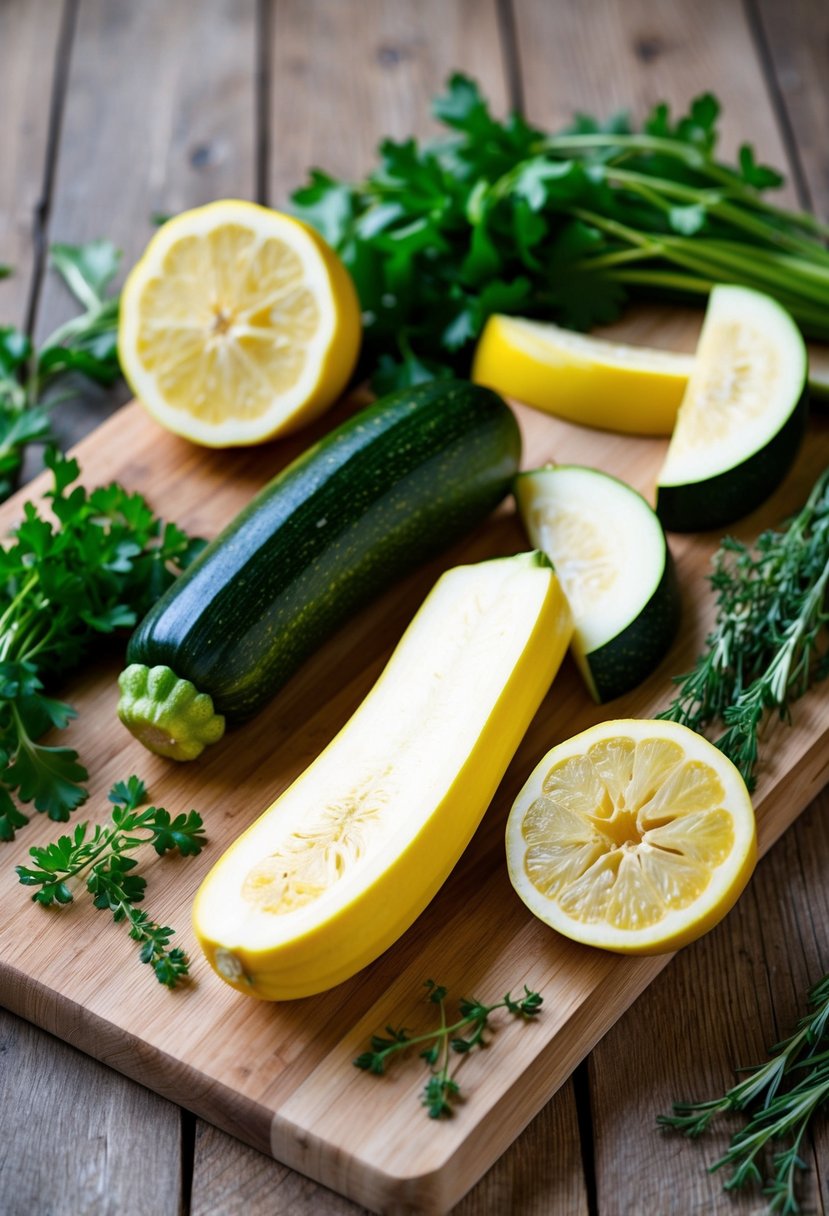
(587, 380)
(636, 836)
(237, 325)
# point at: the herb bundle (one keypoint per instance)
(766, 647)
(781, 1096)
(32, 381)
(501, 217)
(98, 859)
(97, 567)
(461, 1037)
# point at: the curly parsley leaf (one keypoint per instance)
(95, 568)
(96, 857)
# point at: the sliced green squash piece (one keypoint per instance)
(610, 552)
(351, 853)
(742, 416)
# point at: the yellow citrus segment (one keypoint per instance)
(592, 381)
(238, 324)
(634, 836)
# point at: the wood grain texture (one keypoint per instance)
(115, 1144)
(29, 37)
(293, 1081)
(343, 78)
(794, 38)
(540, 1174)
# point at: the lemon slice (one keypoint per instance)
(237, 325)
(635, 836)
(587, 380)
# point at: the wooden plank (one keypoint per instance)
(79, 1138)
(630, 55)
(282, 1074)
(29, 36)
(344, 76)
(539, 1175)
(159, 117)
(793, 38)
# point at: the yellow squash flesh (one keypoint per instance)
(349, 855)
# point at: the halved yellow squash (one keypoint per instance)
(351, 853)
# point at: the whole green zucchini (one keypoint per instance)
(395, 484)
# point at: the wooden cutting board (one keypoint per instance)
(280, 1076)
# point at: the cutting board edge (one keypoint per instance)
(109, 1044)
(437, 1189)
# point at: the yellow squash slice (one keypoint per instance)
(635, 836)
(351, 853)
(587, 380)
(237, 325)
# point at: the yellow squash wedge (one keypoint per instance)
(592, 381)
(350, 854)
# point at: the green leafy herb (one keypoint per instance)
(437, 1046)
(781, 1097)
(766, 648)
(94, 568)
(501, 217)
(86, 346)
(97, 858)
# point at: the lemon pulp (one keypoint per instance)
(639, 839)
(238, 324)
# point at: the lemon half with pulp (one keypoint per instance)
(636, 836)
(237, 325)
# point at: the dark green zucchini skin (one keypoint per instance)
(394, 485)
(616, 666)
(720, 500)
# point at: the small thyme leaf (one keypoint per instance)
(767, 646)
(442, 1090)
(95, 856)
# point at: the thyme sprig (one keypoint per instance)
(781, 1097)
(97, 859)
(437, 1046)
(766, 647)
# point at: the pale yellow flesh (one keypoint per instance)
(352, 852)
(635, 836)
(588, 380)
(749, 357)
(605, 542)
(237, 324)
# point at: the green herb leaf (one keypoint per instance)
(96, 857)
(442, 1090)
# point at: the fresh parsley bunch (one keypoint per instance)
(98, 859)
(94, 568)
(32, 381)
(501, 217)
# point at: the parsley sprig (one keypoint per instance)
(781, 1097)
(503, 217)
(32, 381)
(459, 1037)
(767, 646)
(94, 568)
(97, 858)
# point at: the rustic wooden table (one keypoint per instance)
(111, 110)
